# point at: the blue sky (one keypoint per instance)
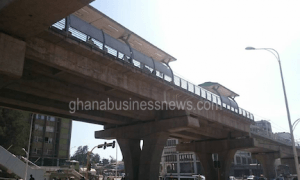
(208, 38)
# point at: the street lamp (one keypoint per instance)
(98, 146)
(25, 173)
(28, 148)
(286, 104)
(295, 124)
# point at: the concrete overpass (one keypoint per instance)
(44, 69)
(265, 148)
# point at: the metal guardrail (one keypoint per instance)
(179, 82)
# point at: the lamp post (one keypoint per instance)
(295, 124)
(286, 104)
(98, 146)
(28, 148)
(25, 173)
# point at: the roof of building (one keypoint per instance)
(219, 89)
(117, 31)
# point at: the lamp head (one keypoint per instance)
(250, 48)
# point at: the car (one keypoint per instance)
(251, 177)
(232, 178)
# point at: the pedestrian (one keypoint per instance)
(31, 178)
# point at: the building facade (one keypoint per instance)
(182, 166)
(244, 165)
(175, 165)
(50, 140)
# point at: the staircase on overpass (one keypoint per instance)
(16, 166)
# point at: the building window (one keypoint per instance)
(238, 160)
(186, 157)
(37, 151)
(171, 168)
(38, 139)
(187, 167)
(49, 129)
(48, 140)
(171, 142)
(170, 158)
(38, 127)
(50, 118)
(39, 116)
(244, 160)
(49, 151)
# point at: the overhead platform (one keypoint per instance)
(219, 89)
(124, 35)
(227, 96)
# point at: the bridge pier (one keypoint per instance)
(291, 163)
(212, 173)
(267, 161)
(225, 150)
(143, 164)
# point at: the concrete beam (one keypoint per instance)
(93, 65)
(26, 18)
(12, 55)
(215, 146)
(138, 131)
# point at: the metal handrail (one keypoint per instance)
(178, 81)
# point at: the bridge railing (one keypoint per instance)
(160, 68)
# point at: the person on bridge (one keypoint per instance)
(31, 178)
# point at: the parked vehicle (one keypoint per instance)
(232, 178)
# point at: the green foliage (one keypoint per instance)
(105, 161)
(14, 130)
(81, 156)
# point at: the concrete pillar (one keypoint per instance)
(12, 55)
(207, 163)
(131, 154)
(153, 146)
(291, 163)
(143, 164)
(267, 161)
(211, 173)
(225, 159)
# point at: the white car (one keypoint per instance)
(232, 178)
(251, 177)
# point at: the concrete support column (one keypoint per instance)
(131, 154)
(153, 146)
(267, 161)
(291, 163)
(211, 173)
(225, 159)
(207, 163)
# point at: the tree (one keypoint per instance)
(95, 158)
(14, 130)
(81, 155)
(105, 161)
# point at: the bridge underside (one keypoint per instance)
(44, 74)
(27, 18)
